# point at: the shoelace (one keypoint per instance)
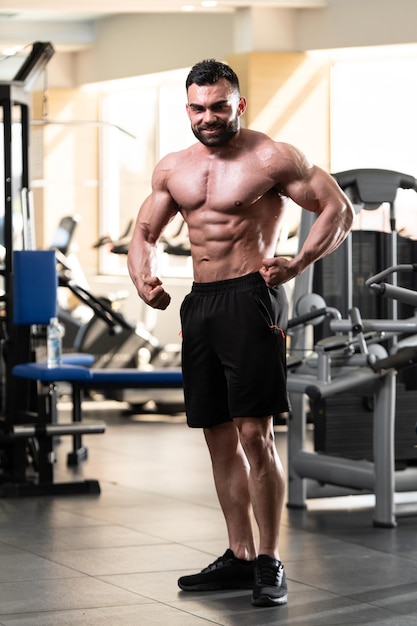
(269, 574)
(219, 562)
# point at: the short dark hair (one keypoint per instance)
(210, 71)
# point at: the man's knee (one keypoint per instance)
(256, 436)
(221, 439)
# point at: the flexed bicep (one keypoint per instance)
(315, 190)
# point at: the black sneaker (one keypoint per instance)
(227, 572)
(270, 587)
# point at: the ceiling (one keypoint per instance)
(81, 7)
(91, 9)
(69, 24)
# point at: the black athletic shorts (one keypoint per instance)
(233, 352)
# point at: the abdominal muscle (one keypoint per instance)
(221, 262)
(225, 246)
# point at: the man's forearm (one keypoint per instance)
(141, 260)
(326, 235)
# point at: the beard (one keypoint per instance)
(222, 135)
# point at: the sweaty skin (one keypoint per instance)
(231, 194)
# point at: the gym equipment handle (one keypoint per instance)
(306, 317)
(401, 359)
(406, 267)
(397, 293)
(52, 430)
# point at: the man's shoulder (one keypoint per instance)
(262, 140)
(173, 159)
(267, 147)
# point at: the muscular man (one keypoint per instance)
(230, 188)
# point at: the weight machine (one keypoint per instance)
(23, 310)
(355, 355)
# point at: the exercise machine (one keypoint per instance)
(35, 274)
(19, 397)
(354, 354)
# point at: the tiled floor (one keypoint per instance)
(114, 559)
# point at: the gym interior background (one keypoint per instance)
(334, 77)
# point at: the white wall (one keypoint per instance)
(350, 23)
(135, 44)
(132, 45)
(264, 29)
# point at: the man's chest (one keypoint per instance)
(218, 185)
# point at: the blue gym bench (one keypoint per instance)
(81, 379)
(35, 302)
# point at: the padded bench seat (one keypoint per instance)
(43, 373)
(81, 378)
(93, 377)
(130, 377)
(77, 358)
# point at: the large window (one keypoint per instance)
(373, 108)
(145, 119)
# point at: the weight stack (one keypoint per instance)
(343, 426)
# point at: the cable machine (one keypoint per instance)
(17, 234)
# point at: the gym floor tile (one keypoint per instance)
(31, 596)
(114, 559)
(44, 540)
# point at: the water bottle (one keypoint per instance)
(55, 332)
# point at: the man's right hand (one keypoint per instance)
(278, 270)
(153, 293)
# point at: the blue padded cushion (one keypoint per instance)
(41, 371)
(77, 358)
(137, 378)
(35, 286)
(127, 377)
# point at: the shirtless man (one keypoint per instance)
(230, 189)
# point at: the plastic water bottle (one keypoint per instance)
(54, 334)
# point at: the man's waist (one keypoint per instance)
(238, 282)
